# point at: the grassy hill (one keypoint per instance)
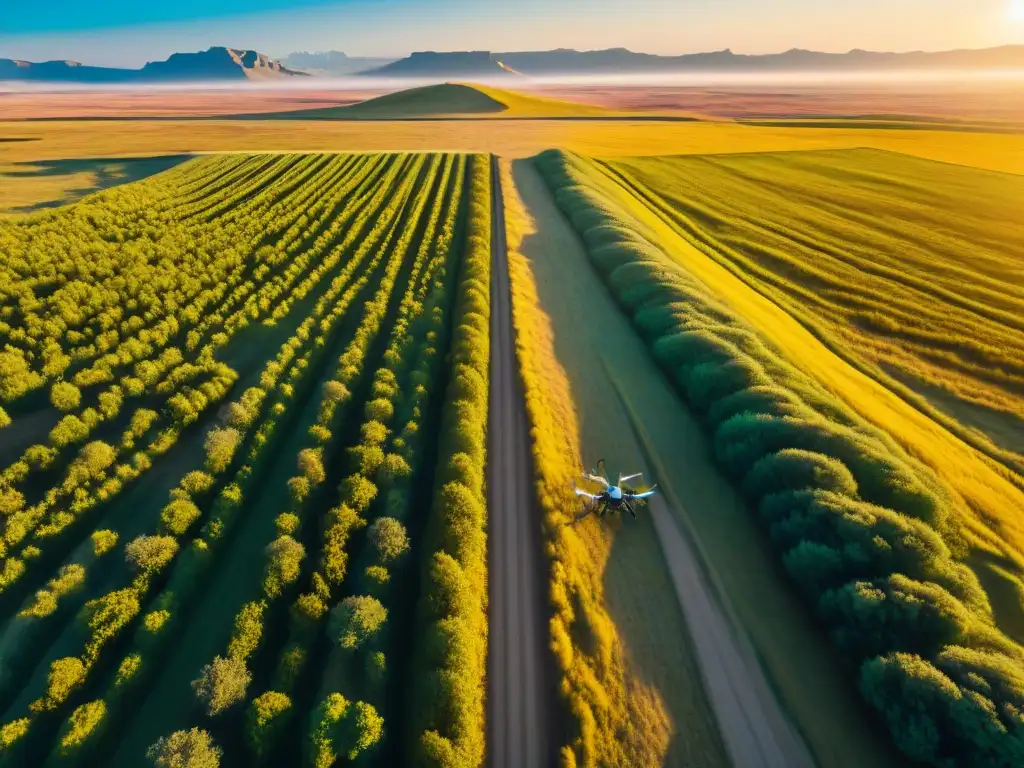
(448, 100)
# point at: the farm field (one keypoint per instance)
(913, 269)
(223, 531)
(266, 465)
(828, 458)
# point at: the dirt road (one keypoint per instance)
(519, 701)
(611, 375)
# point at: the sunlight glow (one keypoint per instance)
(1016, 11)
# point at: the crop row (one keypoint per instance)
(384, 466)
(184, 407)
(450, 664)
(856, 523)
(182, 512)
(285, 554)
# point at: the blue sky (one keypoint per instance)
(131, 32)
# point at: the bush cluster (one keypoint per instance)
(448, 720)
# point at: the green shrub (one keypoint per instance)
(221, 684)
(65, 396)
(356, 620)
(796, 470)
(389, 538)
(65, 675)
(286, 523)
(103, 541)
(338, 728)
(248, 631)
(82, 724)
(266, 721)
(177, 517)
(185, 749)
(220, 446)
(284, 559)
(150, 554)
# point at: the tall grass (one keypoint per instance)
(909, 269)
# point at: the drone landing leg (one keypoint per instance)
(629, 506)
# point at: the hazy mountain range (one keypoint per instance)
(221, 63)
(623, 61)
(216, 63)
(333, 63)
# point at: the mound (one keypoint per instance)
(447, 100)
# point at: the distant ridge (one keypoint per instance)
(624, 61)
(216, 63)
(220, 63)
(448, 65)
(328, 63)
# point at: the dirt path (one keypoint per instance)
(754, 726)
(519, 701)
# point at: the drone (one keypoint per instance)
(622, 495)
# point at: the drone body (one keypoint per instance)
(613, 497)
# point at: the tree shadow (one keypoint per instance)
(104, 172)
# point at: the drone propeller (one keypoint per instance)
(581, 492)
(646, 494)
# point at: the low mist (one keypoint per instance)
(677, 80)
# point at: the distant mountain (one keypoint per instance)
(216, 63)
(444, 65)
(332, 62)
(623, 61)
(71, 71)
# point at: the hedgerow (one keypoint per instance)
(448, 719)
(864, 531)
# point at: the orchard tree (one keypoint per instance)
(284, 558)
(390, 539)
(150, 553)
(357, 619)
(220, 445)
(65, 396)
(185, 749)
(221, 684)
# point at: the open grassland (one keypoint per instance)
(512, 138)
(911, 269)
(216, 541)
(872, 534)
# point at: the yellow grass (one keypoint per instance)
(510, 138)
(19, 193)
(582, 553)
(991, 507)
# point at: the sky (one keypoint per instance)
(129, 33)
